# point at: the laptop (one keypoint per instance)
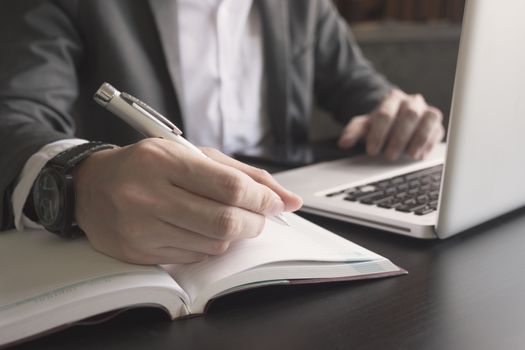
(478, 175)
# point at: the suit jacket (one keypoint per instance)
(55, 54)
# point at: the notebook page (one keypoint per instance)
(301, 241)
(39, 266)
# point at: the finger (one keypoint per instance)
(406, 121)
(430, 120)
(219, 182)
(436, 136)
(207, 217)
(164, 234)
(291, 200)
(381, 121)
(354, 131)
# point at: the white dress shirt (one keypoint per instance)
(221, 55)
(222, 67)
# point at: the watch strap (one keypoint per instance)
(66, 161)
(70, 157)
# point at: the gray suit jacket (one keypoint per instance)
(55, 54)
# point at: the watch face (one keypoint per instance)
(47, 197)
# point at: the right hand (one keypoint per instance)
(156, 202)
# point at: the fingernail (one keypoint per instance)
(295, 204)
(277, 206)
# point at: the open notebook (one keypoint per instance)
(47, 282)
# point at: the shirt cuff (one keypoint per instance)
(29, 174)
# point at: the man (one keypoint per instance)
(232, 73)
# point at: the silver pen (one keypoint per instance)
(147, 121)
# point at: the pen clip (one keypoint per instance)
(135, 101)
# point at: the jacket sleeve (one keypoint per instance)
(39, 52)
(345, 82)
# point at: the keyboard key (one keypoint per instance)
(426, 180)
(359, 195)
(333, 194)
(402, 195)
(373, 196)
(402, 188)
(386, 205)
(413, 191)
(391, 191)
(355, 195)
(409, 201)
(424, 211)
(414, 184)
(426, 187)
(398, 180)
(423, 199)
(367, 188)
(403, 208)
(418, 208)
(383, 184)
(390, 205)
(384, 200)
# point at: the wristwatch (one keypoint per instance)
(53, 193)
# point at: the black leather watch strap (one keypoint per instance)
(72, 156)
(64, 164)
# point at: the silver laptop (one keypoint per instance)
(484, 173)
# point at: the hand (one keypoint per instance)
(155, 202)
(402, 123)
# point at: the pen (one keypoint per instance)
(147, 121)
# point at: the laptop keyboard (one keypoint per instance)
(415, 192)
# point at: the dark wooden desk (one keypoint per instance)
(464, 293)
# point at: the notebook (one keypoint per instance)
(47, 283)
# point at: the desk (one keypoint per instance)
(463, 293)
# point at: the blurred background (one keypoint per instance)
(424, 11)
(414, 43)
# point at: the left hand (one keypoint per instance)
(401, 123)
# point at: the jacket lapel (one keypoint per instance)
(274, 18)
(165, 16)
